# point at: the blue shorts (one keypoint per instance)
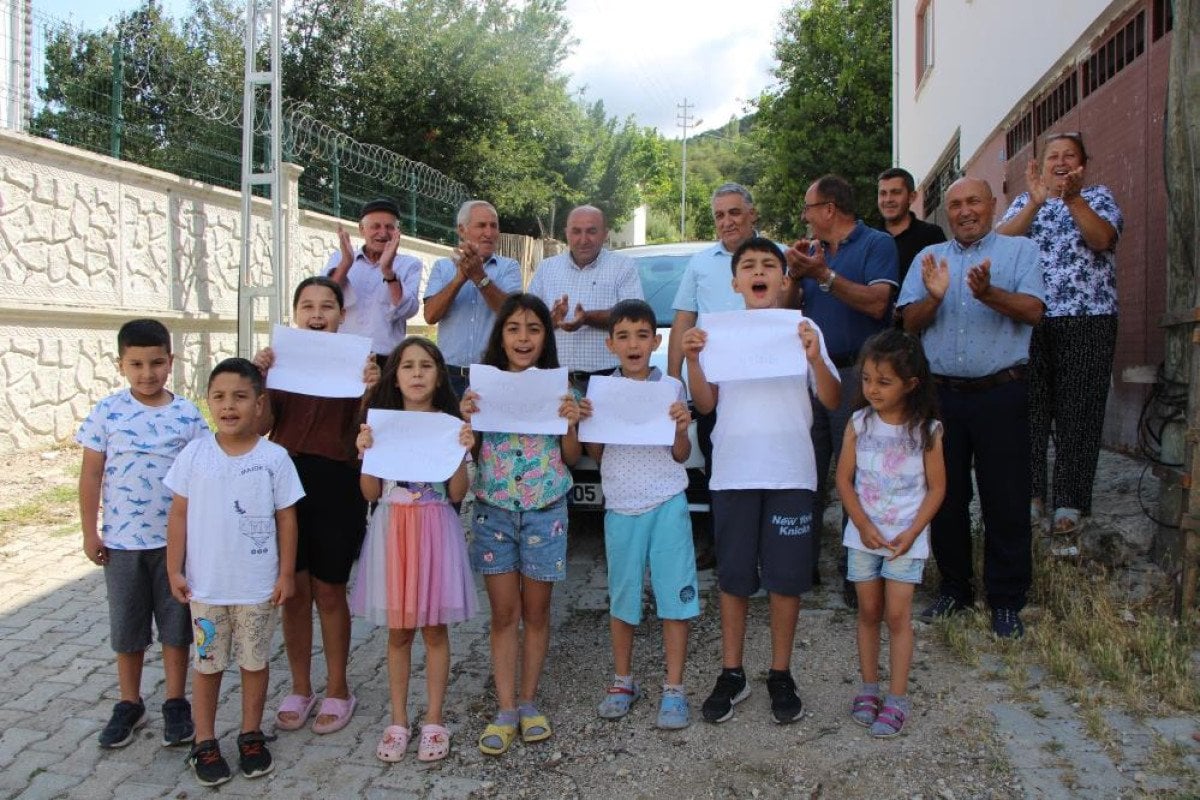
(763, 538)
(863, 565)
(662, 539)
(532, 542)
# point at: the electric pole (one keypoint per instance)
(685, 122)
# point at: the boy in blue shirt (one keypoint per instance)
(130, 439)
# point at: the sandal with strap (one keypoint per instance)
(434, 744)
(865, 708)
(393, 744)
(618, 701)
(496, 739)
(889, 723)
(535, 728)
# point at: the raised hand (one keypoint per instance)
(1038, 191)
(569, 409)
(371, 372)
(466, 436)
(693, 342)
(810, 339)
(469, 404)
(365, 439)
(680, 415)
(264, 359)
(979, 278)
(389, 254)
(935, 275)
(344, 245)
(1072, 183)
(806, 259)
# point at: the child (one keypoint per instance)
(319, 434)
(519, 539)
(763, 481)
(231, 547)
(129, 442)
(414, 571)
(647, 524)
(891, 479)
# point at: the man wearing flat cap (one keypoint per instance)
(382, 286)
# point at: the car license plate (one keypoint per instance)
(587, 494)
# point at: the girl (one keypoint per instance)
(520, 528)
(319, 434)
(891, 479)
(414, 571)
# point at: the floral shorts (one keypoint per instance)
(533, 542)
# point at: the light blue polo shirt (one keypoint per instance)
(463, 332)
(967, 339)
(707, 283)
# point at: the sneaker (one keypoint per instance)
(254, 759)
(210, 766)
(730, 690)
(1006, 624)
(944, 606)
(785, 703)
(673, 713)
(127, 717)
(177, 722)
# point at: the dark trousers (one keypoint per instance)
(1070, 368)
(828, 430)
(990, 431)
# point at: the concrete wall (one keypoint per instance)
(87, 242)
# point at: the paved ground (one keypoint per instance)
(969, 736)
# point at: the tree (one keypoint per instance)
(832, 112)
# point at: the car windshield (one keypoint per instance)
(660, 280)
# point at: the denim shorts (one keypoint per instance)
(661, 538)
(532, 542)
(863, 565)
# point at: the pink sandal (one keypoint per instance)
(340, 710)
(393, 744)
(296, 704)
(435, 743)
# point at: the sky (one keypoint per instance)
(641, 57)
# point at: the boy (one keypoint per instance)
(647, 522)
(764, 472)
(231, 553)
(129, 441)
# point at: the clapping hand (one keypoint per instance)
(558, 315)
(935, 275)
(979, 278)
(1038, 191)
(806, 259)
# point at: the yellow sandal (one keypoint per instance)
(496, 739)
(535, 728)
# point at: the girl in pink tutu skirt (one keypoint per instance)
(413, 571)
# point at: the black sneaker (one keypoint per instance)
(944, 606)
(785, 703)
(254, 759)
(730, 690)
(1006, 624)
(127, 717)
(177, 722)
(210, 766)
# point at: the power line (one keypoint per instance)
(685, 122)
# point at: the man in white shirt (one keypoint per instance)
(382, 287)
(581, 286)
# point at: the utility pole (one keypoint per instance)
(685, 122)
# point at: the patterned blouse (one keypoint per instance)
(521, 471)
(1079, 281)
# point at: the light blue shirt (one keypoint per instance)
(707, 283)
(369, 309)
(463, 331)
(967, 339)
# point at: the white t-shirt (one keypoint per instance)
(763, 435)
(889, 479)
(139, 443)
(638, 478)
(232, 552)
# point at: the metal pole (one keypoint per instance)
(116, 100)
(337, 182)
(685, 122)
(412, 204)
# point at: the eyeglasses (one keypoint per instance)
(804, 207)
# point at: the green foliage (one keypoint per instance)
(833, 110)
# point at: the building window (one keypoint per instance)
(1164, 18)
(1114, 55)
(1057, 102)
(1019, 135)
(924, 39)
(947, 171)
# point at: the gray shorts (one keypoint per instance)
(138, 590)
(763, 538)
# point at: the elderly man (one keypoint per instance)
(581, 286)
(846, 274)
(464, 293)
(897, 191)
(381, 286)
(975, 300)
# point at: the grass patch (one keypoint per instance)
(956, 633)
(1168, 758)
(51, 507)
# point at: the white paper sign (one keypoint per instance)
(519, 402)
(746, 345)
(625, 411)
(413, 445)
(317, 363)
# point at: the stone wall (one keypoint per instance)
(88, 242)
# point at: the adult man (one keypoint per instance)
(464, 293)
(975, 300)
(847, 277)
(897, 191)
(590, 279)
(381, 285)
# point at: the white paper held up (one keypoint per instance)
(626, 411)
(318, 364)
(413, 445)
(519, 402)
(747, 345)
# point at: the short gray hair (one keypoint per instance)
(733, 188)
(464, 211)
